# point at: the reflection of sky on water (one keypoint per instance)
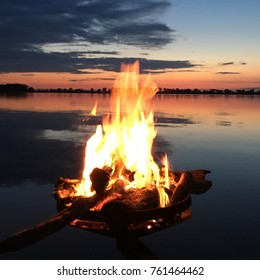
(64, 136)
(223, 123)
(38, 147)
(25, 154)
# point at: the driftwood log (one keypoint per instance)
(188, 182)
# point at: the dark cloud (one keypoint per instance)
(28, 74)
(232, 63)
(102, 52)
(77, 80)
(188, 70)
(91, 79)
(36, 61)
(155, 71)
(226, 63)
(100, 79)
(27, 26)
(174, 69)
(142, 34)
(146, 65)
(228, 73)
(77, 63)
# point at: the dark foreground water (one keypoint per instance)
(43, 137)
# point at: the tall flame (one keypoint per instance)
(124, 141)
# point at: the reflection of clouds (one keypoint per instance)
(88, 126)
(76, 137)
(170, 125)
(160, 147)
(223, 123)
(223, 114)
(164, 121)
(240, 124)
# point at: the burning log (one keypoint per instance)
(116, 209)
(188, 182)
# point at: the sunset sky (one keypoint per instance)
(80, 44)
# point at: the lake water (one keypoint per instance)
(43, 137)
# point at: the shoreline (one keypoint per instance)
(22, 89)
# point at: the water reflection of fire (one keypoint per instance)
(122, 145)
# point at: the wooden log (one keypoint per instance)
(193, 181)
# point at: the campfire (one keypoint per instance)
(133, 192)
(123, 190)
(122, 145)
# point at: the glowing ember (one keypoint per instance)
(122, 145)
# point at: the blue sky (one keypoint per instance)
(227, 28)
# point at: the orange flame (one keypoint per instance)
(94, 110)
(124, 140)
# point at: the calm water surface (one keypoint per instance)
(43, 137)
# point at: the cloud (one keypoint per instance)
(102, 52)
(146, 65)
(186, 64)
(28, 26)
(232, 63)
(34, 61)
(142, 34)
(60, 36)
(228, 73)
(28, 74)
(100, 79)
(226, 63)
(77, 63)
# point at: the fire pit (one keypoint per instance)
(136, 194)
(116, 217)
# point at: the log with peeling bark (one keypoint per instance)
(188, 182)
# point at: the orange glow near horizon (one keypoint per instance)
(60, 80)
(190, 78)
(205, 80)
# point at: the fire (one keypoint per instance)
(94, 110)
(123, 143)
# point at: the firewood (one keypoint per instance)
(99, 179)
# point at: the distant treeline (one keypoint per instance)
(207, 91)
(23, 89)
(15, 88)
